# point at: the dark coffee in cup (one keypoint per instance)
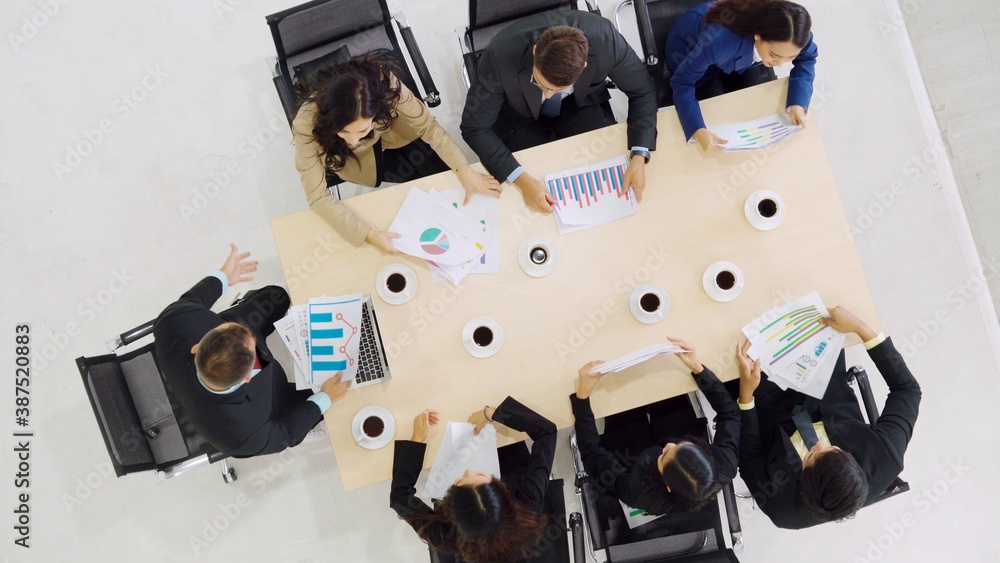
(396, 282)
(482, 336)
(373, 426)
(538, 255)
(649, 302)
(767, 207)
(725, 280)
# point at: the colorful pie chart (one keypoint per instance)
(433, 241)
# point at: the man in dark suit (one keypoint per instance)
(542, 79)
(219, 368)
(851, 462)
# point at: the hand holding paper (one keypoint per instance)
(637, 357)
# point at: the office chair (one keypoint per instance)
(654, 19)
(487, 18)
(857, 374)
(694, 536)
(143, 427)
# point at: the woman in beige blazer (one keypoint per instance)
(357, 108)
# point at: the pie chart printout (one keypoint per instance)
(433, 241)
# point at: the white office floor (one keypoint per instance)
(100, 229)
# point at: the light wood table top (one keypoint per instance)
(691, 215)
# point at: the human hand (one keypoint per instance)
(380, 240)
(798, 115)
(474, 183)
(335, 387)
(479, 418)
(749, 372)
(709, 141)
(586, 382)
(635, 176)
(689, 358)
(842, 320)
(536, 197)
(237, 267)
(422, 423)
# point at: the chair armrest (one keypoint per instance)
(732, 513)
(858, 374)
(432, 96)
(646, 37)
(592, 7)
(130, 336)
(579, 541)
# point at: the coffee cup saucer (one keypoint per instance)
(642, 315)
(387, 433)
(538, 270)
(475, 350)
(758, 221)
(389, 296)
(714, 291)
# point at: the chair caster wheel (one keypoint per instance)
(229, 476)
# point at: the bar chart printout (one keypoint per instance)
(756, 134)
(591, 195)
(334, 337)
(795, 348)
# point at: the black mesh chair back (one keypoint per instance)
(488, 17)
(655, 18)
(307, 32)
(858, 375)
(143, 428)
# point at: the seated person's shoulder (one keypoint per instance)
(305, 118)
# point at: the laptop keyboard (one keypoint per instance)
(369, 363)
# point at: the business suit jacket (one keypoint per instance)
(504, 71)
(412, 122)
(527, 484)
(607, 469)
(260, 417)
(697, 52)
(771, 467)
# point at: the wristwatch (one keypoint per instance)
(643, 154)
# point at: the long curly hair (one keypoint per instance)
(483, 524)
(360, 88)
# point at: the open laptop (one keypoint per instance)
(373, 363)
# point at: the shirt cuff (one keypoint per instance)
(748, 406)
(322, 401)
(222, 278)
(875, 341)
(515, 174)
(644, 149)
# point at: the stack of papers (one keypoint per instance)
(431, 228)
(486, 210)
(591, 195)
(637, 357)
(636, 517)
(323, 338)
(795, 349)
(756, 134)
(460, 449)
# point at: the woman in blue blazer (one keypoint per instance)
(733, 43)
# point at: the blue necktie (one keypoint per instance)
(804, 424)
(550, 106)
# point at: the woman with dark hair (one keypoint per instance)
(355, 122)
(727, 45)
(651, 457)
(481, 518)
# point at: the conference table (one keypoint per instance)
(691, 216)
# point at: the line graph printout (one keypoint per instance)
(794, 347)
(591, 195)
(756, 134)
(334, 336)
